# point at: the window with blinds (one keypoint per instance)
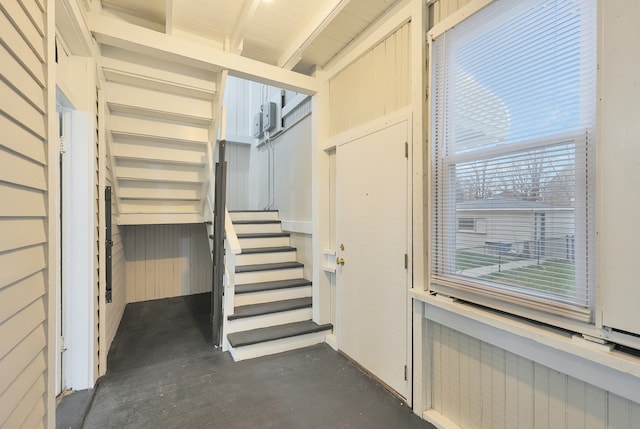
(513, 117)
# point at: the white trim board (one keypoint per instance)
(239, 139)
(401, 115)
(438, 420)
(297, 226)
(613, 371)
(457, 17)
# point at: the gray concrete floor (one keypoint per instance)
(163, 373)
(71, 409)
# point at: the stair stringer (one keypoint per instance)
(232, 248)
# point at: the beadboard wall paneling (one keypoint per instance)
(376, 84)
(166, 260)
(238, 156)
(477, 385)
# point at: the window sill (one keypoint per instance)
(593, 363)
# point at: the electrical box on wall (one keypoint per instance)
(269, 116)
(257, 125)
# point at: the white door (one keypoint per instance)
(371, 235)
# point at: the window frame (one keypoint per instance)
(566, 316)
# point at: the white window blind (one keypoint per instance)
(513, 117)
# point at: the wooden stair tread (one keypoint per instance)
(254, 250)
(263, 235)
(271, 333)
(270, 308)
(269, 267)
(269, 286)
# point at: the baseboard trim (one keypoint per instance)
(299, 227)
(438, 420)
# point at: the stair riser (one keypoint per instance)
(268, 276)
(265, 258)
(266, 320)
(277, 346)
(257, 228)
(248, 243)
(272, 295)
(254, 216)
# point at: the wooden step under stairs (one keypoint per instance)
(272, 299)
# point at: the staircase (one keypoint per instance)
(160, 118)
(272, 305)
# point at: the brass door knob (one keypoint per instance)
(340, 261)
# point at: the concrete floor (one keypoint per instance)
(72, 408)
(163, 373)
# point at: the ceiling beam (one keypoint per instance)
(293, 54)
(248, 10)
(116, 32)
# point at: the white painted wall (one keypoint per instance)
(163, 261)
(618, 173)
(242, 99)
(292, 196)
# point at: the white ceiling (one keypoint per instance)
(269, 29)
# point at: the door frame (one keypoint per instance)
(402, 115)
(75, 227)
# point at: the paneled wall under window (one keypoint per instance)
(477, 385)
(166, 260)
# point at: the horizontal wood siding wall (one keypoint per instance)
(115, 308)
(166, 260)
(477, 385)
(23, 214)
(375, 85)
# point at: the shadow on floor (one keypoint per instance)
(164, 373)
